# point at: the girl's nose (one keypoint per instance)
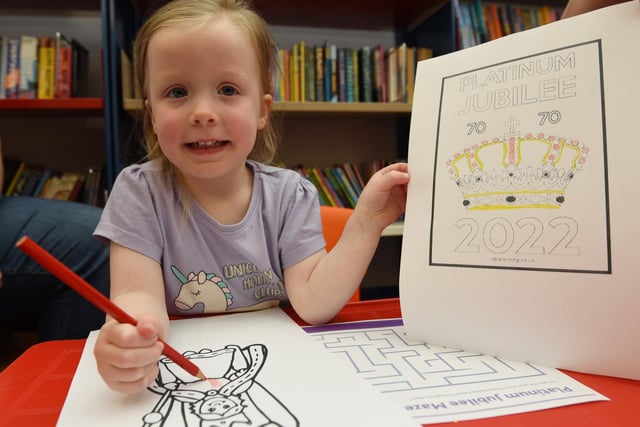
(203, 114)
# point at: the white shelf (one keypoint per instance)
(394, 229)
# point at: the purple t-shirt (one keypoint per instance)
(209, 267)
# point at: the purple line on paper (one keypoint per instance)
(365, 324)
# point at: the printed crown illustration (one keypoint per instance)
(517, 172)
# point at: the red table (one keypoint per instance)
(33, 388)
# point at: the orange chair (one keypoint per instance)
(333, 221)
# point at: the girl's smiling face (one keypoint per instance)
(205, 98)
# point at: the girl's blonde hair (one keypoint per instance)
(199, 12)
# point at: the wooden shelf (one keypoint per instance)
(395, 229)
(86, 104)
(133, 105)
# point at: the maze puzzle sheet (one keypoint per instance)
(438, 384)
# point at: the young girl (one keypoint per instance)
(205, 225)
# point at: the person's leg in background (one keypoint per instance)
(30, 297)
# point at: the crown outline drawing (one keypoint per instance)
(517, 172)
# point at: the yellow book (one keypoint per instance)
(295, 73)
(46, 67)
(303, 76)
(15, 179)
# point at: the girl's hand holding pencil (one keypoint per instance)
(132, 346)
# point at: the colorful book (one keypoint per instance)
(335, 185)
(63, 73)
(351, 175)
(46, 67)
(4, 47)
(28, 83)
(349, 83)
(15, 178)
(302, 76)
(330, 187)
(401, 70)
(64, 187)
(319, 62)
(12, 75)
(321, 183)
(366, 76)
(322, 196)
(333, 73)
(310, 74)
(342, 75)
(346, 186)
(379, 74)
(28, 180)
(356, 74)
(391, 63)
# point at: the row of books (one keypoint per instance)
(42, 67)
(480, 21)
(330, 73)
(39, 181)
(340, 185)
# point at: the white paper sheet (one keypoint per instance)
(437, 384)
(521, 229)
(291, 381)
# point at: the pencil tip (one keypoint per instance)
(200, 375)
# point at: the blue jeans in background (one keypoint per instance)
(31, 298)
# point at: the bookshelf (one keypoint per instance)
(60, 134)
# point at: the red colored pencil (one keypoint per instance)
(66, 275)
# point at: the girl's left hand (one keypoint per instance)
(384, 198)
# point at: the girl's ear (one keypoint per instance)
(265, 109)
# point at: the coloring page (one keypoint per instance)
(520, 234)
(262, 369)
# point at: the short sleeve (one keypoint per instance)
(301, 234)
(130, 216)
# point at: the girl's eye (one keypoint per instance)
(177, 92)
(227, 91)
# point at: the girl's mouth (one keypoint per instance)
(207, 144)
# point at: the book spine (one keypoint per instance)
(43, 180)
(46, 68)
(310, 73)
(337, 188)
(333, 64)
(330, 188)
(319, 62)
(342, 75)
(322, 197)
(401, 70)
(4, 46)
(27, 88)
(15, 179)
(349, 76)
(355, 74)
(286, 80)
(295, 73)
(344, 183)
(391, 61)
(349, 171)
(366, 82)
(12, 76)
(327, 73)
(323, 186)
(302, 77)
(63, 66)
